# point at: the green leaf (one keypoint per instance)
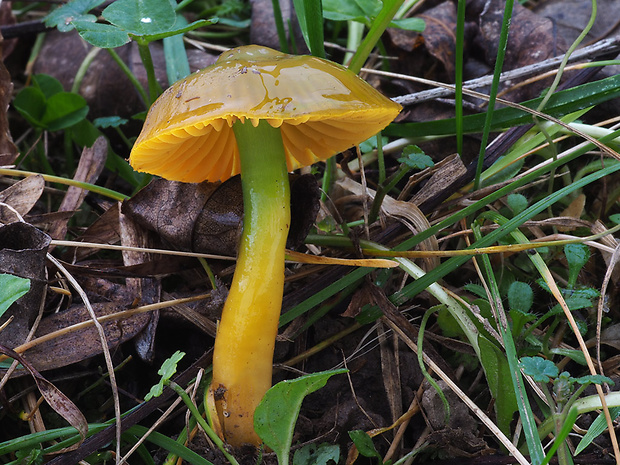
(310, 19)
(141, 17)
(415, 158)
(577, 255)
(517, 203)
(476, 289)
(520, 296)
(30, 103)
(47, 106)
(540, 369)
(47, 84)
(63, 110)
(276, 415)
(312, 454)
(11, 288)
(497, 372)
(84, 134)
(371, 144)
(448, 324)
(104, 122)
(177, 64)
(101, 35)
(76, 10)
(573, 354)
(582, 292)
(594, 379)
(364, 444)
(30, 456)
(178, 30)
(167, 371)
(409, 24)
(347, 10)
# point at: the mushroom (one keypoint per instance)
(262, 113)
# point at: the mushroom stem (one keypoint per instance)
(243, 352)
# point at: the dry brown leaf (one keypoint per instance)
(20, 198)
(55, 399)
(75, 346)
(207, 217)
(23, 254)
(8, 150)
(105, 230)
(451, 169)
(89, 168)
(533, 38)
(145, 290)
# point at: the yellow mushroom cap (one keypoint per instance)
(321, 107)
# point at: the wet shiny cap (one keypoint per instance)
(321, 107)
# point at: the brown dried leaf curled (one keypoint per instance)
(207, 217)
(171, 208)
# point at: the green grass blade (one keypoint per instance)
(454, 263)
(499, 63)
(379, 25)
(559, 104)
(277, 16)
(528, 421)
(177, 64)
(310, 18)
(458, 77)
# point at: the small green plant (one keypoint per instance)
(413, 157)
(317, 454)
(364, 445)
(561, 391)
(167, 371)
(47, 106)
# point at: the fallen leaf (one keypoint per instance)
(8, 150)
(82, 342)
(145, 290)
(532, 39)
(89, 168)
(207, 217)
(20, 198)
(55, 399)
(23, 254)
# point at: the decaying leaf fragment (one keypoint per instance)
(405, 212)
(55, 398)
(82, 342)
(89, 168)
(8, 150)
(207, 217)
(17, 200)
(145, 290)
(22, 253)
